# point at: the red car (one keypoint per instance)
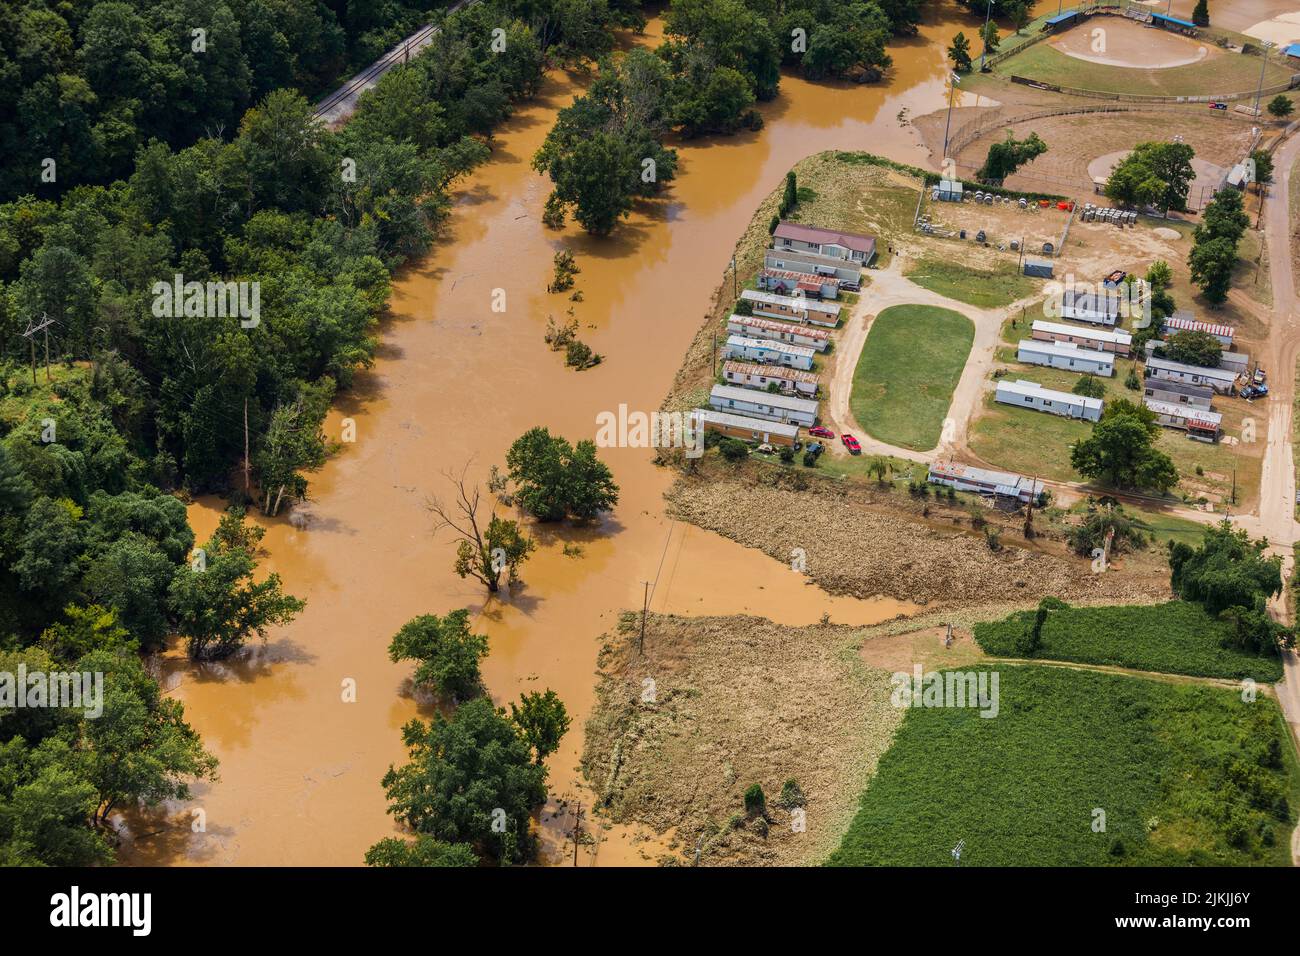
(851, 444)
(821, 431)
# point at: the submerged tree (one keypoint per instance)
(482, 552)
(447, 653)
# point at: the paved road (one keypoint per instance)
(336, 108)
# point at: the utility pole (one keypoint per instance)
(577, 831)
(246, 481)
(1263, 64)
(715, 353)
(30, 336)
(645, 607)
(735, 280)
(984, 34)
(952, 89)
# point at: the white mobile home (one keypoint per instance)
(753, 375)
(1099, 308)
(748, 429)
(770, 352)
(770, 405)
(849, 273)
(1177, 393)
(851, 246)
(1103, 340)
(1197, 422)
(1025, 394)
(984, 481)
(797, 308)
(1220, 379)
(1067, 356)
(759, 328)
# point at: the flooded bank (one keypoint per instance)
(454, 384)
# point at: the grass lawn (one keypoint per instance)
(1026, 441)
(1173, 638)
(987, 290)
(1167, 527)
(1217, 77)
(911, 363)
(1185, 774)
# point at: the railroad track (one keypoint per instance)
(371, 74)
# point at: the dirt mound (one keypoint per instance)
(736, 701)
(854, 547)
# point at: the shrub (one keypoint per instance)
(791, 795)
(755, 801)
(733, 449)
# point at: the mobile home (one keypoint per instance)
(759, 328)
(1220, 379)
(1099, 308)
(753, 375)
(1197, 422)
(849, 273)
(789, 281)
(851, 246)
(796, 308)
(769, 405)
(1066, 355)
(1026, 394)
(746, 428)
(984, 481)
(770, 352)
(1183, 322)
(1177, 393)
(1103, 340)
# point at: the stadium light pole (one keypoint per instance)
(948, 124)
(984, 41)
(1267, 45)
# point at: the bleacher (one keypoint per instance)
(1138, 14)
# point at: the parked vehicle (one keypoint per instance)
(821, 431)
(765, 449)
(851, 444)
(1260, 376)
(1218, 106)
(816, 447)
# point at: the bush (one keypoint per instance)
(791, 795)
(787, 455)
(755, 801)
(733, 449)
(810, 459)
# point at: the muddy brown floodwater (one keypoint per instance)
(456, 383)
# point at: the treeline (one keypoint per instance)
(86, 85)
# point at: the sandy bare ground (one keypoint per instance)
(1122, 42)
(717, 704)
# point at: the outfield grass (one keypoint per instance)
(987, 290)
(1185, 774)
(1172, 638)
(1219, 76)
(912, 361)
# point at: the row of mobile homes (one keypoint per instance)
(769, 352)
(1066, 355)
(774, 406)
(788, 380)
(849, 246)
(1197, 422)
(849, 273)
(1183, 322)
(984, 481)
(1177, 393)
(789, 282)
(1101, 339)
(1222, 380)
(746, 428)
(760, 328)
(797, 308)
(1025, 394)
(1098, 308)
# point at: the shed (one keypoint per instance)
(1037, 268)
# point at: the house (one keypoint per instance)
(753, 375)
(849, 273)
(1197, 422)
(850, 246)
(1066, 355)
(1220, 379)
(1177, 393)
(768, 351)
(759, 328)
(788, 281)
(1025, 394)
(984, 481)
(774, 406)
(1099, 308)
(1103, 340)
(746, 428)
(797, 308)
(1037, 268)
(1183, 322)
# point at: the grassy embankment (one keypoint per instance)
(903, 383)
(1172, 638)
(1184, 774)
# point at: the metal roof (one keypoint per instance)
(740, 341)
(756, 397)
(1191, 325)
(802, 233)
(1066, 350)
(1025, 387)
(793, 301)
(1118, 336)
(744, 421)
(777, 325)
(1201, 370)
(770, 371)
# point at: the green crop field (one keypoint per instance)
(1183, 773)
(912, 361)
(1174, 638)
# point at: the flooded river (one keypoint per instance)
(455, 383)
